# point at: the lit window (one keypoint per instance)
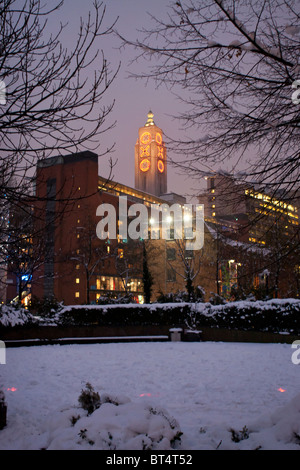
(77, 295)
(78, 221)
(212, 191)
(78, 236)
(77, 280)
(214, 214)
(78, 206)
(77, 266)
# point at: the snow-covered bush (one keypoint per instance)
(46, 310)
(14, 315)
(89, 400)
(3, 409)
(116, 423)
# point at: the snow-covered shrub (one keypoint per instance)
(116, 424)
(47, 310)
(89, 399)
(14, 315)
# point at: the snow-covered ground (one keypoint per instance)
(202, 389)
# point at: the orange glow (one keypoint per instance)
(12, 389)
(281, 390)
(145, 151)
(158, 138)
(146, 137)
(160, 166)
(160, 152)
(145, 165)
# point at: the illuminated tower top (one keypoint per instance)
(151, 159)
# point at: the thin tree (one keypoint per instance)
(53, 97)
(147, 276)
(187, 265)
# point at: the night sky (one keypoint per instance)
(133, 99)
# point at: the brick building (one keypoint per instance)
(79, 267)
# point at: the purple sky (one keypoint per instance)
(133, 98)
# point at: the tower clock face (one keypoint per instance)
(145, 165)
(160, 166)
(146, 138)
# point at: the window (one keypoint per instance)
(171, 253)
(77, 280)
(77, 295)
(77, 266)
(171, 275)
(189, 254)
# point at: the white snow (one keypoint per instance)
(205, 389)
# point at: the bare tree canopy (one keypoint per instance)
(54, 97)
(233, 64)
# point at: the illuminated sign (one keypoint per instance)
(160, 166)
(145, 165)
(146, 137)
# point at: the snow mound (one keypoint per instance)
(117, 424)
(281, 429)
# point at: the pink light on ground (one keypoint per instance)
(12, 389)
(281, 390)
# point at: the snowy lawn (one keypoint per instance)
(204, 390)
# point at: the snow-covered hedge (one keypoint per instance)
(125, 315)
(277, 315)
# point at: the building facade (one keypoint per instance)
(251, 240)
